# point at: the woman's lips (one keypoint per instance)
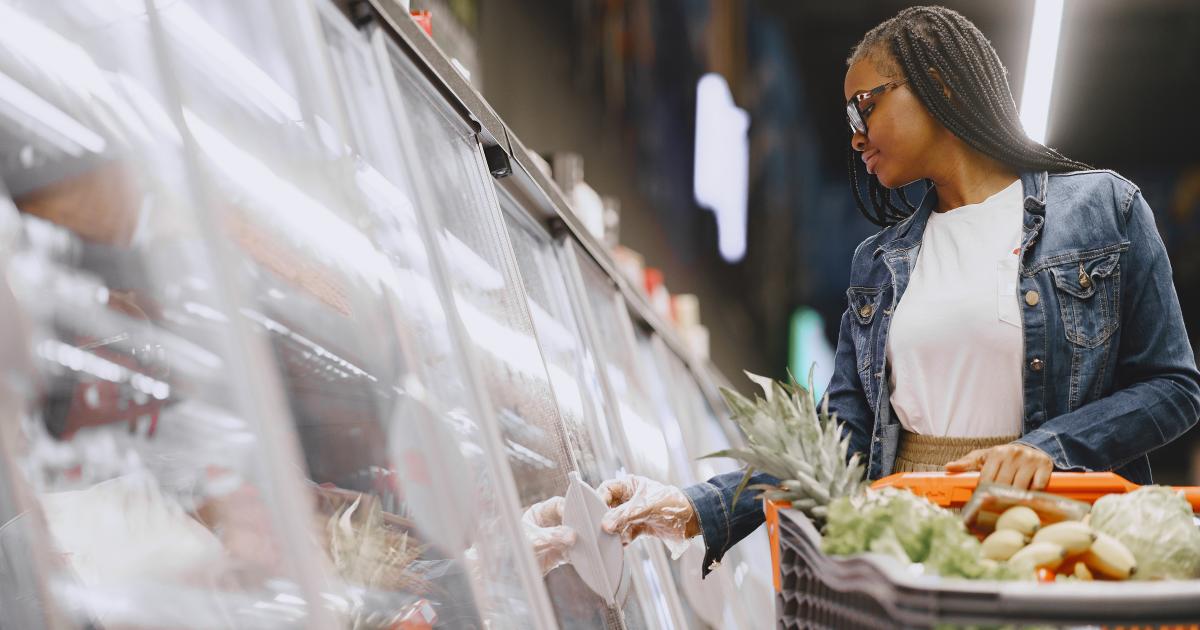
(870, 159)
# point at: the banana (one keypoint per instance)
(1019, 518)
(1002, 544)
(1110, 558)
(1082, 572)
(1073, 536)
(1038, 556)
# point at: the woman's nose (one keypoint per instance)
(859, 142)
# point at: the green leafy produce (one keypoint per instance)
(788, 438)
(1156, 524)
(909, 528)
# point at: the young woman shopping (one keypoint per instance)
(1020, 319)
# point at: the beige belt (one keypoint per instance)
(928, 453)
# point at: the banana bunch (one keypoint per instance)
(788, 438)
(1069, 547)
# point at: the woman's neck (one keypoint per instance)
(969, 177)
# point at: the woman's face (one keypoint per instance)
(902, 137)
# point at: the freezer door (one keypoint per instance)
(414, 517)
(575, 377)
(143, 424)
(747, 565)
(640, 440)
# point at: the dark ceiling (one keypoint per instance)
(1124, 87)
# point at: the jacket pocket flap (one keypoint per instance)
(864, 303)
(1079, 278)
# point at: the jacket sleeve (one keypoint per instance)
(1158, 387)
(724, 523)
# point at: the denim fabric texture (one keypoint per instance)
(1109, 373)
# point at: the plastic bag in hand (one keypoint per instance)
(543, 528)
(644, 506)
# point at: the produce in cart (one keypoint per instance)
(1156, 524)
(1025, 535)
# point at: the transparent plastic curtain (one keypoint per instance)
(150, 435)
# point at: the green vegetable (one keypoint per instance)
(909, 528)
(1156, 524)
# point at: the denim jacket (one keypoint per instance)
(1109, 374)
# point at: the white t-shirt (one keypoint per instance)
(956, 343)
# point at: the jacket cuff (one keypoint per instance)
(713, 514)
(1048, 443)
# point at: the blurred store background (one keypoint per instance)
(615, 83)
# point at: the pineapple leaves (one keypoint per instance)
(791, 438)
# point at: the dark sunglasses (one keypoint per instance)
(855, 115)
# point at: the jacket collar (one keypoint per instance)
(907, 234)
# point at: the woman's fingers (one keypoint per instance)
(1024, 476)
(971, 461)
(1015, 465)
(616, 491)
(991, 467)
(1042, 476)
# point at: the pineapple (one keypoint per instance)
(787, 438)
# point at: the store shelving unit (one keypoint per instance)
(294, 331)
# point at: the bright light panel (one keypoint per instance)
(1039, 68)
(722, 167)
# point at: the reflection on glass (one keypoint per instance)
(138, 424)
(435, 469)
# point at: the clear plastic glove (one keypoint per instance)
(645, 506)
(544, 530)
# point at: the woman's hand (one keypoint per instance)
(644, 506)
(1016, 465)
(544, 529)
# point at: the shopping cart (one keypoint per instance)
(876, 591)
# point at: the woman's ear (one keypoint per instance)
(937, 78)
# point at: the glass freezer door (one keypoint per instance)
(574, 376)
(639, 436)
(748, 564)
(444, 469)
(146, 427)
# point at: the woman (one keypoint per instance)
(1021, 319)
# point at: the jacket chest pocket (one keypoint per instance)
(1089, 295)
(864, 304)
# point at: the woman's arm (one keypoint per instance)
(722, 521)
(1159, 387)
(847, 399)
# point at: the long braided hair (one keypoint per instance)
(981, 111)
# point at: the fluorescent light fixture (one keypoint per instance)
(1039, 68)
(722, 166)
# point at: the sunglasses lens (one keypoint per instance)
(855, 119)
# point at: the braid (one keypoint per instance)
(981, 110)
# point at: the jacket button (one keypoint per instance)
(1032, 298)
(1036, 365)
(1084, 280)
(866, 311)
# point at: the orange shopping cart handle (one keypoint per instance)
(955, 489)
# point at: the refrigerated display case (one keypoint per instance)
(417, 511)
(277, 352)
(577, 382)
(741, 596)
(144, 435)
